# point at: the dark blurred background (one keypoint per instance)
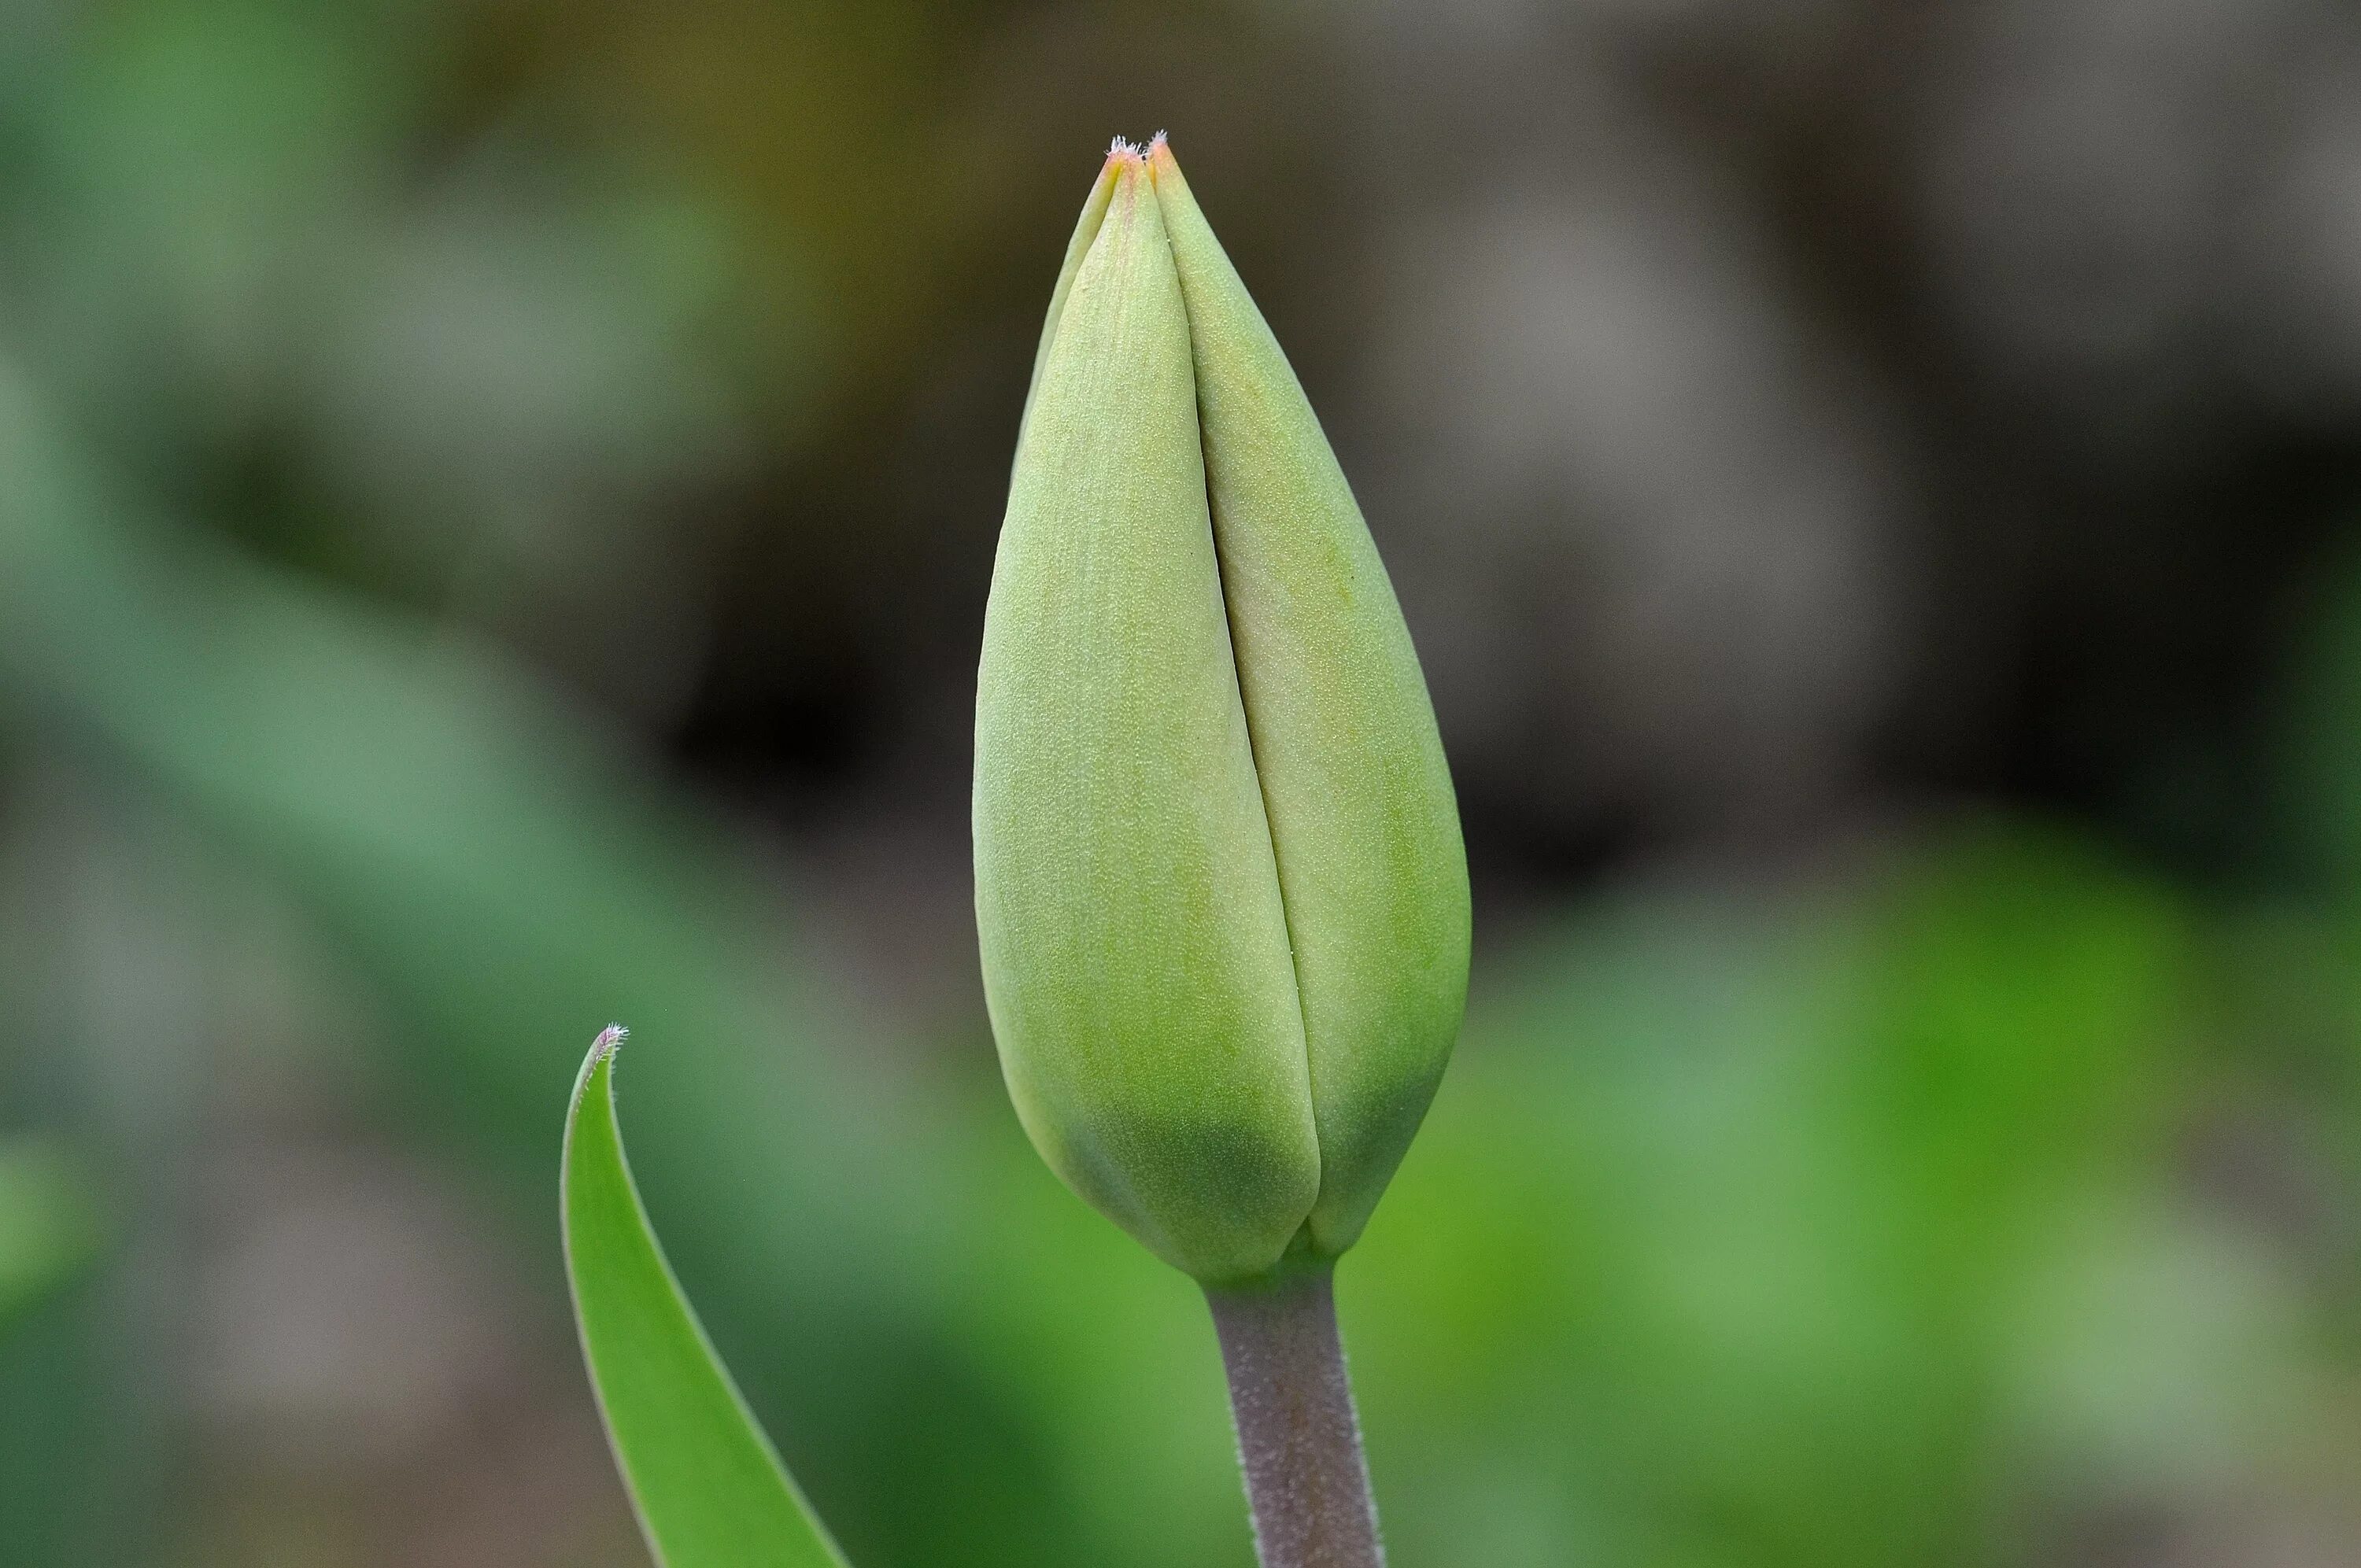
(496, 501)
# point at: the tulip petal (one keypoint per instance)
(1086, 229)
(1364, 822)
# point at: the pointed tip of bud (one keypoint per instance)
(1161, 164)
(1158, 148)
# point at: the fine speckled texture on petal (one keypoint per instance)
(1086, 229)
(1352, 769)
(1135, 957)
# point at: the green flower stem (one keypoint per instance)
(1298, 1434)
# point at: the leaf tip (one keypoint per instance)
(609, 1039)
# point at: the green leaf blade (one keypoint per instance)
(709, 1488)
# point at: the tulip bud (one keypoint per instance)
(1220, 889)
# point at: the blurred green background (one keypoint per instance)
(496, 500)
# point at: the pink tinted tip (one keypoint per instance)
(1127, 151)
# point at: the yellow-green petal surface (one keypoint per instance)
(1364, 822)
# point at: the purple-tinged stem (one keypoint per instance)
(1299, 1436)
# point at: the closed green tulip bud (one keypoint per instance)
(1220, 888)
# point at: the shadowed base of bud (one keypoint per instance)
(1299, 1435)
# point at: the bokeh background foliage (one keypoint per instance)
(495, 505)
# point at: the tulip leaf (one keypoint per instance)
(709, 1487)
